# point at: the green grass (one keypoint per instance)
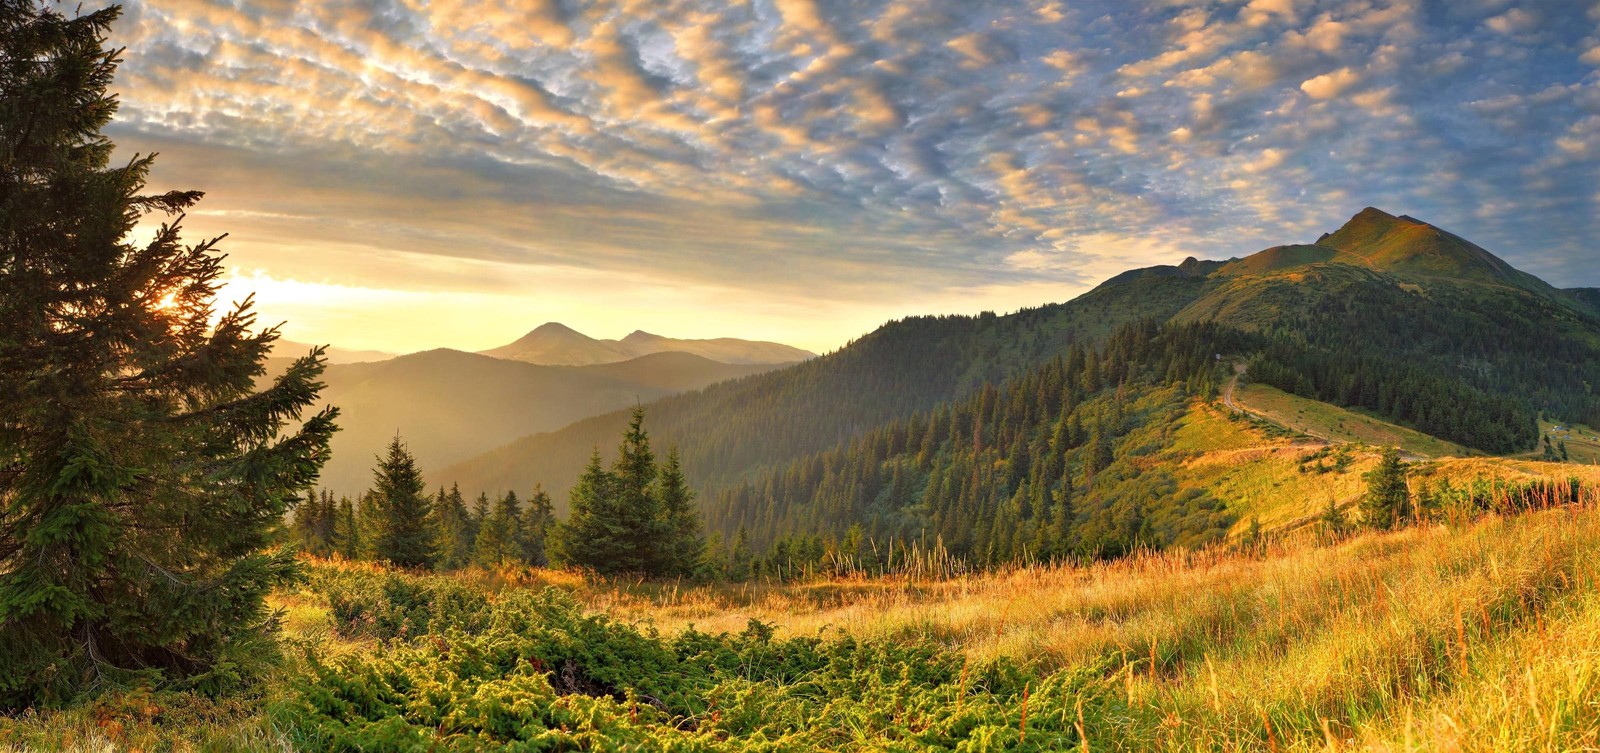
(1483, 637)
(1580, 447)
(1335, 424)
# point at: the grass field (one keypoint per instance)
(1582, 445)
(1335, 424)
(1477, 638)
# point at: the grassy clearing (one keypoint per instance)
(1582, 445)
(1335, 424)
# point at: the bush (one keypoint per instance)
(394, 606)
(539, 674)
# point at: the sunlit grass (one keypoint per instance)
(1477, 637)
(1330, 422)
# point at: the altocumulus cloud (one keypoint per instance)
(863, 158)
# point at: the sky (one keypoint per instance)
(408, 174)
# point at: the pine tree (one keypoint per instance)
(1332, 520)
(497, 536)
(682, 543)
(140, 473)
(480, 513)
(313, 524)
(1388, 501)
(403, 536)
(533, 528)
(589, 537)
(635, 509)
(452, 530)
(347, 530)
(740, 563)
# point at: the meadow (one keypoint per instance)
(1481, 634)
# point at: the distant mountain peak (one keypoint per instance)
(554, 328)
(556, 344)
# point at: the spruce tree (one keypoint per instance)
(141, 473)
(533, 528)
(636, 518)
(497, 536)
(346, 530)
(453, 530)
(1387, 502)
(401, 507)
(741, 561)
(590, 537)
(682, 544)
(1332, 520)
(480, 513)
(635, 508)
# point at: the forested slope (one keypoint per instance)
(730, 430)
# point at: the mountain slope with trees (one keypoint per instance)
(1387, 314)
(452, 405)
(730, 430)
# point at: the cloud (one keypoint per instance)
(1330, 85)
(1514, 21)
(870, 155)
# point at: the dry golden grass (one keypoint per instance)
(1432, 638)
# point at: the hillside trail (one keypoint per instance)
(1239, 369)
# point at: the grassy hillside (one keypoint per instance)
(1587, 296)
(1480, 636)
(1339, 425)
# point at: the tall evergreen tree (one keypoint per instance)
(682, 543)
(497, 536)
(1387, 502)
(401, 506)
(314, 520)
(591, 537)
(533, 528)
(452, 529)
(140, 472)
(480, 513)
(346, 530)
(741, 561)
(635, 518)
(636, 509)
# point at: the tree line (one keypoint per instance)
(636, 517)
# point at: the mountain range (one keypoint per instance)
(448, 405)
(555, 344)
(1387, 314)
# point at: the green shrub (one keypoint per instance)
(394, 606)
(539, 674)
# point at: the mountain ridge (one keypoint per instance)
(1376, 286)
(556, 344)
(448, 404)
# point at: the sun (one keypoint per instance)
(168, 302)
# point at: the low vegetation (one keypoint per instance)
(1472, 636)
